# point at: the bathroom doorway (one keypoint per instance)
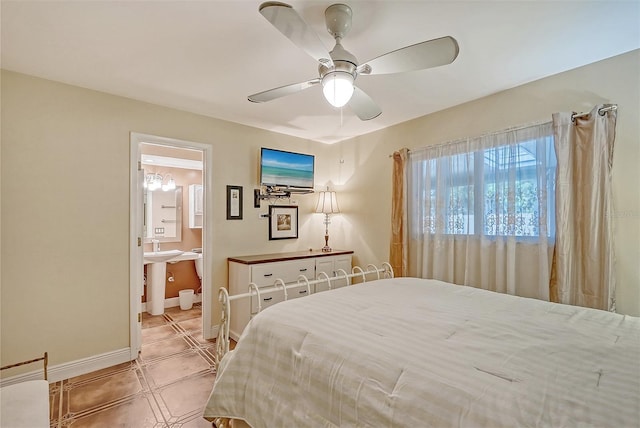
(185, 166)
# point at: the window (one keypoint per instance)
(489, 187)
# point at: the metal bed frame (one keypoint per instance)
(222, 342)
(372, 272)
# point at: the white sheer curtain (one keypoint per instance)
(481, 211)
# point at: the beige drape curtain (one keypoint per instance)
(399, 240)
(582, 266)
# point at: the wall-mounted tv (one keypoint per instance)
(279, 168)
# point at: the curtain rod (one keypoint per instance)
(513, 128)
(391, 155)
(601, 111)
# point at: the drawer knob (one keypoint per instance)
(303, 270)
(302, 291)
(266, 299)
(268, 274)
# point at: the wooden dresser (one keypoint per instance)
(264, 269)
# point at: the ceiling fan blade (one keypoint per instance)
(282, 91)
(432, 53)
(288, 22)
(363, 105)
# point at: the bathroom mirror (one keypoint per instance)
(163, 215)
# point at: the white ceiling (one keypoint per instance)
(207, 56)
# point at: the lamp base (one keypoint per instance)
(326, 248)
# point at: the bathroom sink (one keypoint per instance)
(187, 255)
(156, 262)
(161, 256)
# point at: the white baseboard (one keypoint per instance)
(172, 302)
(213, 332)
(74, 368)
(233, 335)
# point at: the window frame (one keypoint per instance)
(544, 147)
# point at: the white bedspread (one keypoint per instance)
(408, 352)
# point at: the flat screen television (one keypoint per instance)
(279, 168)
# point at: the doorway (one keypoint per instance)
(138, 143)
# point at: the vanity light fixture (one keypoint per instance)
(327, 204)
(154, 181)
(171, 184)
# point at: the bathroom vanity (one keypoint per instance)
(156, 262)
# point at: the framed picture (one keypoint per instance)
(234, 202)
(283, 222)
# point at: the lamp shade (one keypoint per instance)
(337, 88)
(327, 203)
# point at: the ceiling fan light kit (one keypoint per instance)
(337, 87)
(339, 69)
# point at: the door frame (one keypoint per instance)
(136, 268)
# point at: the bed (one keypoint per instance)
(407, 352)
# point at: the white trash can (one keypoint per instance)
(186, 299)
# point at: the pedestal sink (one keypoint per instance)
(156, 277)
(161, 256)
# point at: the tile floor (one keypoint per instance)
(167, 386)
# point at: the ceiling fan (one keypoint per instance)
(339, 69)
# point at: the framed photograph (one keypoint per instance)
(234, 202)
(283, 222)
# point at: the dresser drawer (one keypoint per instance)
(303, 267)
(271, 298)
(299, 291)
(265, 274)
(267, 299)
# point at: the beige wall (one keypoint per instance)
(65, 211)
(65, 194)
(366, 169)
